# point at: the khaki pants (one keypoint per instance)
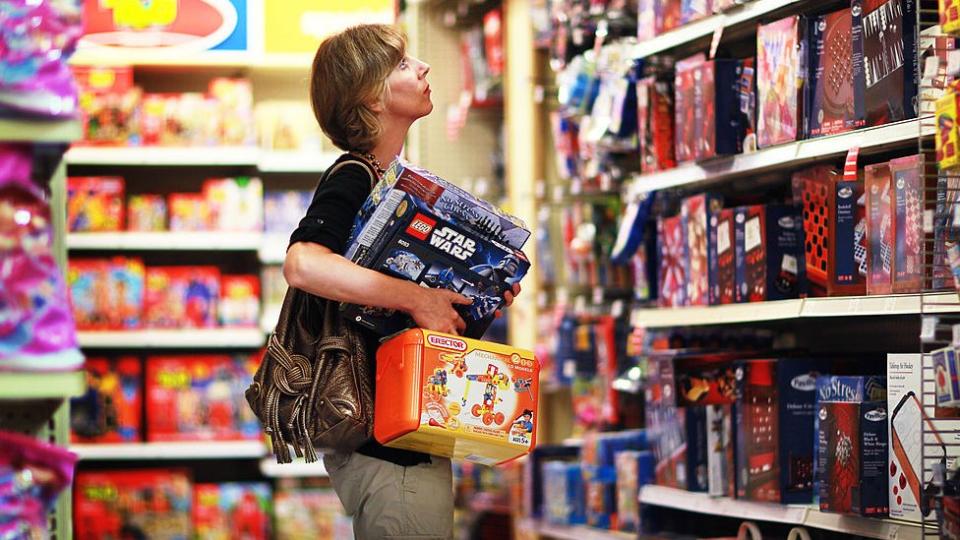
(391, 501)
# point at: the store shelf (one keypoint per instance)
(159, 57)
(273, 248)
(841, 306)
(42, 385)
(173, 339)
(783, 157)
(295, 161)
(752, 11)
(807, 516)
(560, 532)
(163, 155)
(41, 131)
(298, 469)
(170, 450)
(176, 241)
(269, 318)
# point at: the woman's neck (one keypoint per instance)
(391, 140)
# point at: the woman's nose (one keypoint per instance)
(424, 68)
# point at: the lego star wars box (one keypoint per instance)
(889, 60)
(913, 412)
(696, 215)
(780, 50)
(908, 223)
(835, 74)
(455, 397)
(774, 420)
(448, 201)
(769, 253)
(722, 261)
(851, 430)
(880, 203)
(413, 243)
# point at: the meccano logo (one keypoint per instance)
(445, 342)
(421, 226)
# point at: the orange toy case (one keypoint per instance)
(455, 397)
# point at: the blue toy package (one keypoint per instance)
(600, 491)
(535, 498)
(564, 482)
(282, 210)
(635, 469)
(446, 200)
(405, 239)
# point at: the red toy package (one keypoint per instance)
(239, 300)
(109, 105)
(147, 213)
(149, 503)
(880, 241)
(655, 125)
(779, 72)
(232, 511)
(94, 203)
(200, 398)
(109, 411)
(182, 296)
(685, 110)
(106, 294)
(673, 262)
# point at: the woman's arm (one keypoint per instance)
(316, 269)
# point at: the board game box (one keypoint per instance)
(835, 74)
(908, 224)
(890, 64)
(182, 297)
(723, 262)
(779, 74)
(880, 203)
(109, 410)
(769, 253)
(672, 276)
(655, 124)
(696, 214)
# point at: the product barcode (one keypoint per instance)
(375, 225)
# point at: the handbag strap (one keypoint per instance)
(353, 159)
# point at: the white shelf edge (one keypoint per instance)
(298, 469)
(164, 155)
(182, 338)
(101, 56)
(780, 157)
(269, 318)
(725, 314)
(26, 385)
(168, 240)
(170, 450)
(707, 26)
(849, 306)
(273, 248)
(808, 516)
(295, 161)
(571, 532)
(40, 130)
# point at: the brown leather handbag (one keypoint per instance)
(314, 390)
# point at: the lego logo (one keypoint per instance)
(420, 227)
(876, 415)
(444, 342)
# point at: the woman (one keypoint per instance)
(366, 92)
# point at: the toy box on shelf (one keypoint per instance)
(768, 253)
(232, 510)
(199, 398)
(779, 76)
(95, 203)
(461, 397)
(890, 67)
(107, 294)
(835, 73)
(152, 503)
(239, 300)
(109, 411)
(182, 297)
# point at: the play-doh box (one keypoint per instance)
(456, 397)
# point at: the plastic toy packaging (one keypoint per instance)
(239, 300)
(107, 294)
(310, 513)
(109, 105)
(37, 331)
(182, 297)
(232, 511)
(189, 212)
(38, 37)
(235, 204)
(146, 213)
(146, 503)
(94, 204)
(109, 411)
(32, 474)
(282, 210)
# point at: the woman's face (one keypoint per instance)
(408, 92)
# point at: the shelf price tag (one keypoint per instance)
(928, 328)
(717, 35)
(850, 165)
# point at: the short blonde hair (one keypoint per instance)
(349, 75)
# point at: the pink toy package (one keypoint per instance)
(37, 331)
(182, 296)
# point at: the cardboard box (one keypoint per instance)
(232, 510)
(946, 376)
(534, 498)
(890, 67)
(655, 124)
(95, 203)
(779, 81)
(456, 397)
(696, 214)
(685, 108)
(110, 409)
(878, 187)
(908, 223)
(947, 138)
(664, 418)
(413, 243)
(723, 258)
(566, 504)
(672, 276)
(635, 469)
(720, 124)
(835, 74)
(851, 446)
(721, 462)
(769, 253)
(155, 502)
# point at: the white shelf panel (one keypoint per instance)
(170, 450)
(726, 314)
(269, 318)
(158, 57)
(295, 161)
(948, 302)
(706, 27)
(179, 338)
(42, 385)
(576, 532)
(164, 155)
(851, 306)
(137, 241)
(784, 156)
(273, 248)
(790, 514)
(298, 469)
(45, 131)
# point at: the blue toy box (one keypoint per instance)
(566, 503)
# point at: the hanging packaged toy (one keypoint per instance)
(37, 331)
(32, 474)
(38, 37)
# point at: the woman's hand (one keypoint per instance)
(433, 310)
(508, 299)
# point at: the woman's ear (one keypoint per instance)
(376, 105)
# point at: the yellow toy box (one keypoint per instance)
(450, 396)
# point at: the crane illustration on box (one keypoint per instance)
(495, 381)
